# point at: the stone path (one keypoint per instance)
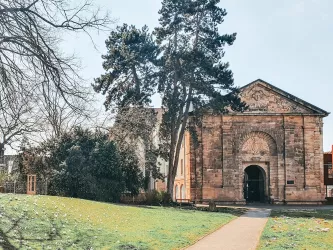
(242, 233)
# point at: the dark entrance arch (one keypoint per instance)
(254, 184)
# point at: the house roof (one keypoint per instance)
(289, 96)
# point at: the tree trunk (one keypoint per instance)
(170, 183)
(180, 128)
(175, 147)
(171, 175)
(2, 153)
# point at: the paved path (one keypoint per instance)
(242, 233)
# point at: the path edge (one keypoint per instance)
(212, 232)
(258, 239)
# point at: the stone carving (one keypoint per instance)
(260, 99)
(256, 145)
(257, 106)
(256, 99)
(287, 106)
(282, 104)
(258, 95)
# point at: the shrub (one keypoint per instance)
(153, 198)
(2, 178)
(86, 165)
(166, 198)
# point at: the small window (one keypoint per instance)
(176, 192)
(290, 182)
(181, 167)
(181, 192)
(328, 174)
(330, 171)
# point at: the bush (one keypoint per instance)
(2, 178)
(166, 198)
(153, 198)
(84, 164)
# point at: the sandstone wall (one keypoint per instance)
(287, 147)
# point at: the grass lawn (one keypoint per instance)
(298, 229)
(47, 222)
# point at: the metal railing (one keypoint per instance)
(20, 187)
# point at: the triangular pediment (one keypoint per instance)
(262, 97)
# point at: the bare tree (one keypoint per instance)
(59, 117)
(18, 116)
(33, 71)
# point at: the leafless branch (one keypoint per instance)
(39, 84)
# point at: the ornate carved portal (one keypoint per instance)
(258, 150)
(254, 184)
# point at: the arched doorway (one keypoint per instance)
(254, 184)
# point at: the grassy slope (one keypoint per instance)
(46, 222)
(298, 229)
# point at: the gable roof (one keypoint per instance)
(289, 96)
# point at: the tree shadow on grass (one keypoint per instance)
(15, 235)
(226, 210)
(4, 241)
(136, 205)
(303, 213)
(15, 232)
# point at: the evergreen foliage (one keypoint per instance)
(182, 61)
(85, 165)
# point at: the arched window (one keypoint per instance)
(176, 192)
(181, 167)
(183, 192)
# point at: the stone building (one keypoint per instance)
(273, 152)
(182, 180)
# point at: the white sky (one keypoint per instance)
(286, 43)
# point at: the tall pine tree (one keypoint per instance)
(186, 68)
(130, 78)
(192, 71)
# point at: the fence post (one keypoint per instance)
(15, 187)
